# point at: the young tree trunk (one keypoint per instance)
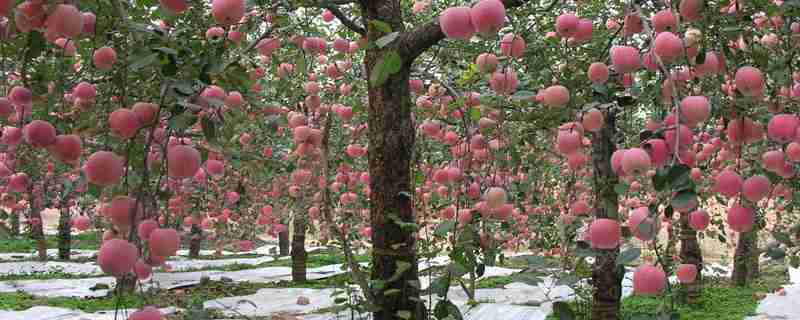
(125, 286)
(195, 239)
(690, 254)
(745, 260)
(283, 243)
(669, 251)
(64, 234)
(299, 248)
(37, 230)
(14, 216)
(606, 274)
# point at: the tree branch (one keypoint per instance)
(419, 39)
(344, 19)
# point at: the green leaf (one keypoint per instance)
(209, 129)
(782, 237)
(142, 62)
(381, 26)
(628, 255)
(645, 228)
(389, 64)
(776, 253)
(563, 310)
(440, 286)
(183, 88)
(404, 314)
(456, 269)
(182, 122)
(567, 279)
(445, 309)
(523, 95)
(701, 56)
(444, 228)
(621, 188)
(402, 267)
(600, 88)
(475, 113)
(683, 198)
(387, 39)
(676, 175)
(36, 43)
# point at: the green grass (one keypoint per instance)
(719, 300)
(494, 282)
(22, 301)
(50, 275)
(24, 244)
(182, 298)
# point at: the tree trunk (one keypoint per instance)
(37, 231)
(690, 254)
(195, 239)
(283, 243)
(669, 251)
(606, 274)
(745, 260)
(64, 234)
(125, 285)
(299, 248)
(391, 141)
(14, 216)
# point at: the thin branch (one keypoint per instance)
(344, 19)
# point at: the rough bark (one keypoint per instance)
(745, 260)
(606, 274)
(299, 248)
(283, 243)
(690, 254)
(195, 239)
(391, 141)
(64, 234)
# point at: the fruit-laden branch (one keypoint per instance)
(344, 19)
(419, 39)
(333, 7)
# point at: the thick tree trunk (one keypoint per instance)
(745, 260)
(690, 254)
(195, 239)
(299, 248)
(606, 274)
(391, 141)
(283, 243)
(64, 234)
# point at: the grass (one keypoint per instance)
(494, 282)
(50, 275)
(187, 298)
(719, 300)
(24, 244)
